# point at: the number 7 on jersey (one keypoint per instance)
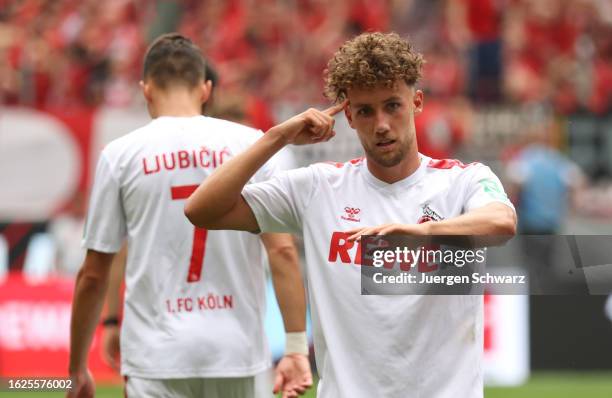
(199, 236)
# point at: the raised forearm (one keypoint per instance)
(217, 203)
(492, 219)
(220, 192)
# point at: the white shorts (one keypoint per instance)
(231, 387)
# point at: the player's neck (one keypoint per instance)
(396, 173)
(177, 103)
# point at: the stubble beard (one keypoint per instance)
(389, 159)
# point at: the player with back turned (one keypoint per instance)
(194, 300)
(369, 346)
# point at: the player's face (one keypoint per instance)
(384, 120)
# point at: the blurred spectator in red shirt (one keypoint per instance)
(440, 128)
(476, 26)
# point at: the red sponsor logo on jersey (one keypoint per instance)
(343, 250)
(349, 252)
(351, 214)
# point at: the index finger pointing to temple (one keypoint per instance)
(332, 110)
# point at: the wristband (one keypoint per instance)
(296, 343)
(110, 321)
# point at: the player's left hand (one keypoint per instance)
(388, 229)
(110, 346)
(292, 376)
(82, 385)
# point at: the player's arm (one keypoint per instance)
(218, 204)
(287, 279)
(90, 288)
(494, 219)
(293, 374)
(491, 219)
(110, 333)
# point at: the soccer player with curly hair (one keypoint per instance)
(366, 345)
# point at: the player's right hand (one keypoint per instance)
(309, 127)
(110, 346)
(292, 376)
(82, 385)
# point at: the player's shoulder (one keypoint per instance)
(339, 169)
(232, 130)
(452, 168)
(127, 142)
(338, 172)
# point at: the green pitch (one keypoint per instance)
(559, 385)
(541, 385)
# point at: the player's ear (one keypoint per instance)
(146, 90)
(417, 100)
(348, 114)
(206, 90)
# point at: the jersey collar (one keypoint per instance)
(406, 182)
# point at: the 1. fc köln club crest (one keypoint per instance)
(429, 215)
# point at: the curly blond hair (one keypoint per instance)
(369, 60)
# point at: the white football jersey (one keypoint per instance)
(194, 299)
(380, 346)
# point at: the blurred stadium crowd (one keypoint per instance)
(89, 52)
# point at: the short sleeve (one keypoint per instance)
(483, 187)
(279, 204)
(105, 227)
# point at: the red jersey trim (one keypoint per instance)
(341, 164)
(446, 164)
